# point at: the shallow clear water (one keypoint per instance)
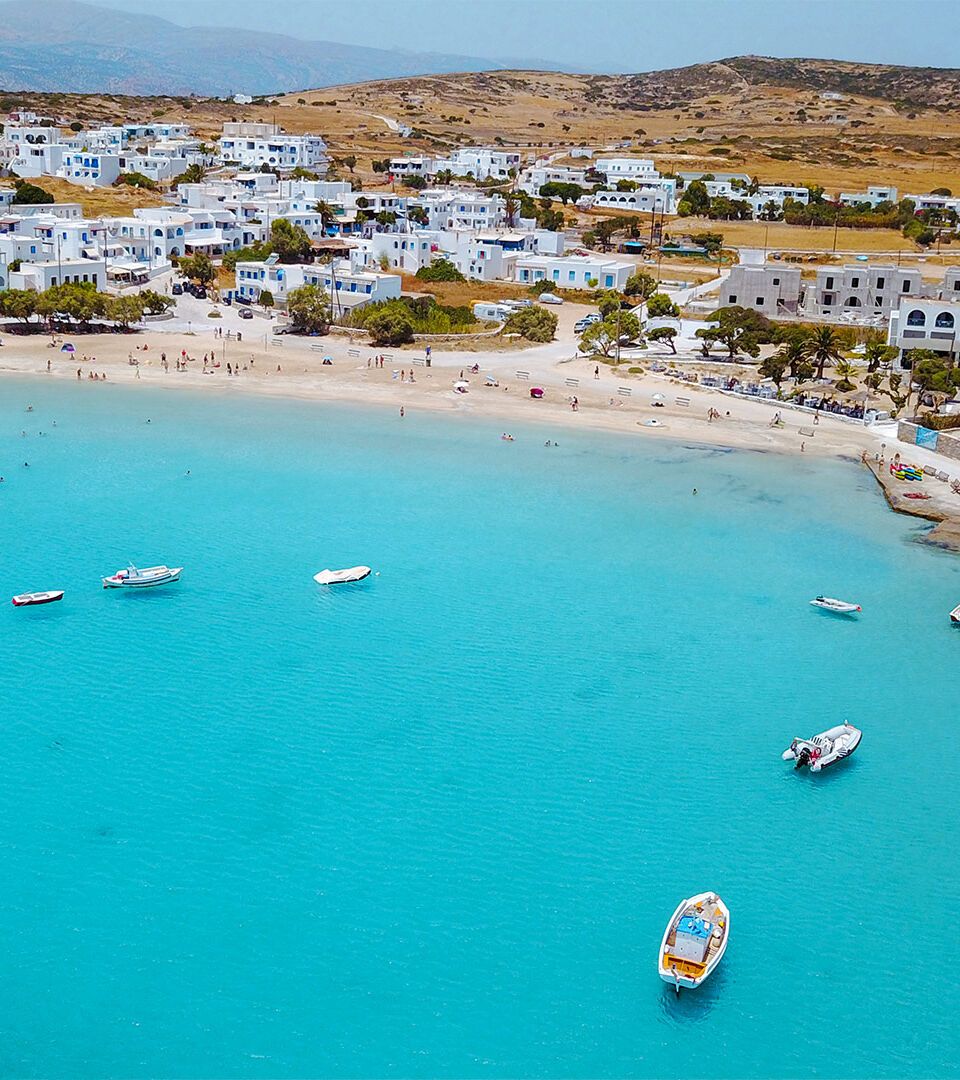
(433, 825)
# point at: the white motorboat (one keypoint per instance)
(824, 749)
(955, 615)
(339, 577)
(694, 941)
(132, 578)
(28, 598)
(838, 607)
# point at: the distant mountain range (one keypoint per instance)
(63, 46)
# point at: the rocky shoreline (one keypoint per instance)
(945, 533)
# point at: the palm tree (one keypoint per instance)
(823, 348)
(795, 352)
(846, 371)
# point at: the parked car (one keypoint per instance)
(582, 324)
(177, 289)
(228, 300)
(245, 313)
(200, 292)
(550, 298)
(243, 299)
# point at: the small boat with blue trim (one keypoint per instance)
(694, 941)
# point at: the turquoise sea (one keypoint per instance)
(433, 825)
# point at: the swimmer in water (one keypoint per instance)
(694, 491)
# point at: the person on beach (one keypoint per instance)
(401, 412)
(78, 373)
(48, 365)
(596, 372)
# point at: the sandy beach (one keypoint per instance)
(613, 401)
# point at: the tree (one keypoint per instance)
(192, 174)
(824, 348)
(18, 304)
(326, 211)
(603, 337)
(661, 306)
(511, 206)
(640, 284)
(309, 308)
(386, 218)
(773, 367)
(30, 193)
(256, 252)
(878, 354)
(738, 329)
(532, 323)
(795, 353)
(155, 303)
(664, 333)
(564, 192)
(608, 303)
(124, 310)
(135, 179)
(932, 375)
(198, 268)
(695, 201)
(418, 215)
(440, 270)
(390, 327)
(265, 298)
(300, 173)
(845, 372)
(350, 161)
(290, 241)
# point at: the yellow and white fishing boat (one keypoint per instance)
(694, 941)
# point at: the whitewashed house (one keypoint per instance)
(626, 168)
(873, 196)
(251, 145)
(448, 208)
(573, 271)
(924, 324)
(480, 162)
(658, 196)
(533, 178)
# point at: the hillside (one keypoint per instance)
(820, 121)
(68, 46)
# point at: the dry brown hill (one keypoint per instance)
(822, 121)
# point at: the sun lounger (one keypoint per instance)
(807, 433)
(941, 475)
(929, 470)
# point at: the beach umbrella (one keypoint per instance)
(658, 398)
(67, 348)
(461, 384)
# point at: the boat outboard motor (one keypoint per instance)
(803, 757)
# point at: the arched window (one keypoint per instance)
(158, 232)
(945, 320)
(852, 301)
(916, 318)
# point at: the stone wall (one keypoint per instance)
(948, 442)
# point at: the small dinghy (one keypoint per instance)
(27, 598)
(132, 578)
(694, 941)
(955, 615)
(824, 749)
(838, 607)
(339, 577)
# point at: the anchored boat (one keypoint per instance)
(132, 578)
(824, 749)
(27, 598)
(838, 607)
(955, 615)
(339, 577)
(694, 941)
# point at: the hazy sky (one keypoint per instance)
(603, 35)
